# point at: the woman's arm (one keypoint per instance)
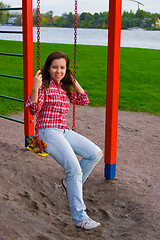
(81, 97)
(78, 88)
(37, 83)
(36, 99)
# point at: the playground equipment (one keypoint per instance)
(112, 96)
(113, 64)
(13, 55)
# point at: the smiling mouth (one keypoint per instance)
(58, 76)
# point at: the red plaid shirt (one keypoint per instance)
(54, 104)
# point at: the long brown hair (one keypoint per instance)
(67, 83)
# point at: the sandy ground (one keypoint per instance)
(34, 206)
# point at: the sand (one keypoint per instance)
(34, 205)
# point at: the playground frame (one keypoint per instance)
(113, 66)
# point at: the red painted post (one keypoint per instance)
(113, 66)
(27, 64)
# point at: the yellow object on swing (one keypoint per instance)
(34, 147)
(43, 154)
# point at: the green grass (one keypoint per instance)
(140, 80)
(139, 75)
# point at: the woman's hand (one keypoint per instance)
(37, 80)
(37, 83)
(78, 88)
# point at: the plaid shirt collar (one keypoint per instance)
(54, 83)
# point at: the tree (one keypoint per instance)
(49, 14)
(58, 21)
(49, 21)
(95, 16)
(125, 23)
(34, 16)
(4, 15)
(43, 21)
(86, 19)
(70, 18)
(83, 16)
(154, 18)
(140, 14)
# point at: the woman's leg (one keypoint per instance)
(59, 148)
(90, 153)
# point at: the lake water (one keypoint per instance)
(137, 38)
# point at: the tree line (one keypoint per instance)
(130, 19)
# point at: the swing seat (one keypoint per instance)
(33, 143)
(43, 154)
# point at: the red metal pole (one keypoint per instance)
(113, 66)
(27, 64)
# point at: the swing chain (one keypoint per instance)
(38, 34)
(74, 69)
(37, 130)
(38, 67)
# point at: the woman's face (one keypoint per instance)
(58, 69)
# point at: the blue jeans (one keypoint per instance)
(63, 145)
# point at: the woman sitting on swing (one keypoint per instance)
(51, 96)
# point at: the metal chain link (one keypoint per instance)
(38, 67)
(74, 69)
(38, 34)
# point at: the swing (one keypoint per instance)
(35, 144)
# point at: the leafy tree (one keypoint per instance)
(70, 18)
(95, 16)
(83, 16)
(34, 16)
(43, 21)
(4, 15)
(58, 21)
(49, 14)
(125, 23)
(140, 14)
(49, 21)
(86, 19)
(155, 18)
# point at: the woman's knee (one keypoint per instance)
(98, 155)
(74, 173)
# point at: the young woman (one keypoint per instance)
(51, 96)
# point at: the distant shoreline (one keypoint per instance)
(136, 28)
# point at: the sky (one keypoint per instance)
(61, 6)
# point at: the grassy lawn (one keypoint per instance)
(139, 75)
